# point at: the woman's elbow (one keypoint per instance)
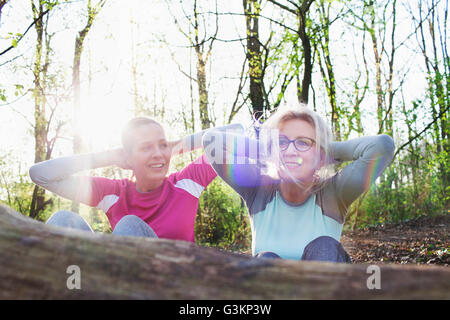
(387, 144)
(385, 147)
(32, 173)
(36, 177)
(210, 140)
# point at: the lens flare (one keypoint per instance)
(251, 162)
(373, 171)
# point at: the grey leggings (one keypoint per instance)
(320, 249)
(129, 225)
(323, 248)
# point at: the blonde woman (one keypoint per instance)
(154, 204)
(298, 212)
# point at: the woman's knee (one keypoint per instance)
(324, 242)
(68, 219)
(325, 248)
(131, 225)
(267, 255)
(131, 218)
(130, 221)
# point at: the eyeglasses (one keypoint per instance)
(301, 144)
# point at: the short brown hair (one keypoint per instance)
(131, 126)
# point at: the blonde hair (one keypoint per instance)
(323, 138)
(131, 126)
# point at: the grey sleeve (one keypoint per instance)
(57, 176)
(194, 141)
(370, 156)
(234, 158)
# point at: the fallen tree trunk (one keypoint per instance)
(34, 260)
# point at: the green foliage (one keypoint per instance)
(19, 89)
(221, 220)
(3, 95)
(97, 219)
(15, 188)
(421, 192)
(15, 38)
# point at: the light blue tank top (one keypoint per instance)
(286, 229)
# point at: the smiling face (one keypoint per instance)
(149, 156)
(299, 165)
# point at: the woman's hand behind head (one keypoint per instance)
(119, 158)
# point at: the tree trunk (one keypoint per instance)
(77, 143)
(303, 95)
(35, 262)
(203, 55)
(322, 48)
(40, 121)
(79, 45)
(378, 89)
(202, 91)
(252, 10)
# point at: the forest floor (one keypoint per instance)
(424, 240)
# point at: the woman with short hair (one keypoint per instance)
(154, 205)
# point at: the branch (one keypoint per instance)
(11, 60)
(172, 55)
(425, 129)
(14, 101)
(235, 110)
(29, 27)
(282, 6)
(243, 14)
(2, 3)
(214, 37)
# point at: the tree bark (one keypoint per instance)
(322, 47)
(303, 95)
(300, 10)
(377, 57)
(252, 9)
(35, 259)
(79, 46)
(38, 202)
(202, 45)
